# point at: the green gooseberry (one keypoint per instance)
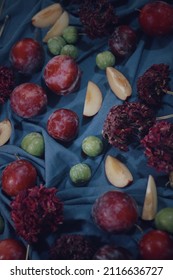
(2, 224)
(55, 45)
(92, 146)
(70, 34)
(164, 219)
(33, 143)
(105, 59)
(70, 50)
(80, 173)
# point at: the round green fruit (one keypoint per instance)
(80, 173)
(105, 59)
(92, 146)
(70, 50)
(55, 45)
(164, 219)
(2, 224)
(33, 143)
(70, 34)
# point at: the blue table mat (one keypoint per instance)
(53, 169)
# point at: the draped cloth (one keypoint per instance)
(53, 169)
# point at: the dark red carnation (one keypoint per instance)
(35, 211)
(153, 84)
(126, 123)
(158, 144)
(7, 83)
(97, 17)
(72, 247)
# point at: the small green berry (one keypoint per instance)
(80, 173)
(55, 45)
(70, 34)
(33, 143)
(1, 224)
(105, 59)
(92, 146)
(70, 50)
(164, 219)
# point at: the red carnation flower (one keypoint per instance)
(98, 18)
(153, 84)
(126, 123)
(7, 83)
(72, 247)
(158, 144)
(35, 211)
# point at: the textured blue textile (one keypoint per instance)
(53, 170)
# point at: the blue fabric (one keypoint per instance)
(53, 170)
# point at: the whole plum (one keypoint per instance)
(62, 75)
(28, 100)
(12, 249)
(156, 19)
(63, 125)
(115, 211)
(112, 252)
(156, 245)
(18, 175)
(27, 56)
(123, 41)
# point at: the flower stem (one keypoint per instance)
(139, 228)
(165, 117)
(27, 252)
(168, 91)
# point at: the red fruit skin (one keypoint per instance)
(156, 245)
(11, 249)
(156, 19)
(17, 176)
(123, 41)
(110, 252)
(28, 100)
(115, 212)
(27, 56)
(63, 125)
(62, 75)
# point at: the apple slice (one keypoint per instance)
(150, 201)
(57, 29)
(5, 131)
(117, 172)
(118, 83)
(47, 16)
(93, 100)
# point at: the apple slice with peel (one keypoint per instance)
(5, 131)
(47, 16)
(118, 83)
(117, 172)
(150, 201)
(58, 27)
(93, 100)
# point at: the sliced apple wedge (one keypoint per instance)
(118, 83)
(57, 29)
(5, 131)
(93, 100)
(117, 172)
(150, 201)
(47, 16)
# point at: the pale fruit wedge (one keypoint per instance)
(117, 172)
(5, 131)
(47, 16)
(93, 100)
(150, 201)
(118, 83)
(57, 29)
